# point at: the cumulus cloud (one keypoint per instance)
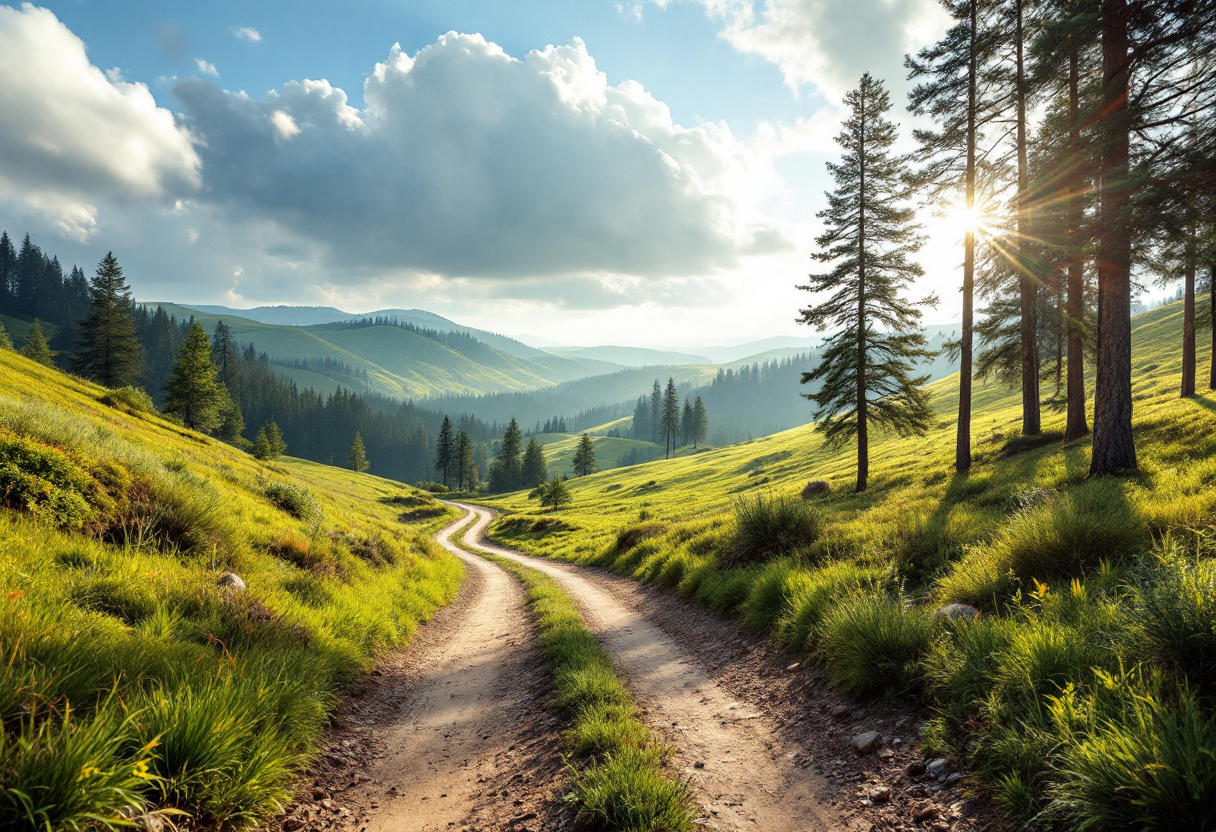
(247, 33)
(72, 136)
(207, 68)
(829, 44)
(468, 162)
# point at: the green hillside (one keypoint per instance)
(610, 452)
(400, 363)
(139, 679)
(1084, 689)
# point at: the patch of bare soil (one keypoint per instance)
(766, 741)
(451, 733)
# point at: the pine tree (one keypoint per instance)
(35, 347)
(224, 352)
(193, 392)
(533, 470)
(584, 457)
(444, 449)
(232, 421)
(866, 364)
(110, 352)
(669, 419)
(656, 412)
(466, 468)
(506, 474)
(555, 494)
(686, 423)
(700, 422)
(269, 442)
(6, 343)
(357, 459)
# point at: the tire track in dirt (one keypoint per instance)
(459, 746)
(742, 771)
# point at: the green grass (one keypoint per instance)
(1080, 582)
(616, 766)
(131, 681)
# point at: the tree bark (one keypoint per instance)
(962, 444)
(1027, 278)
(1075, 425)
(1114, 447)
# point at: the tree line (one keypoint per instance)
(1120, 169)
(658, 418)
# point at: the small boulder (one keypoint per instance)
(956, 611)
(867, 742)
(816, 488)
(292, 824)
(880, 794)
(924, 812)
(231, 581)
(841, 712)
(936, 768)
(885, 753)
(916, 768)
(953, 778)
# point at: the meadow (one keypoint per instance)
(1081, 693)
(177, 618)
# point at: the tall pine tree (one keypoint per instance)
(506, 474)
(110, 352)
(444, 449)
(866, 365)
(357, 458)
(533, 469)
(584, 457)
(669, 419)
(193, 392)
(35, 347)
(700, 422)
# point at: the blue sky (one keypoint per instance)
(643, 173)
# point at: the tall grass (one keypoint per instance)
(874, 644)
(771, 526)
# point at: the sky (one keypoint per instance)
(587, 172)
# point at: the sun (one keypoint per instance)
(963, 219)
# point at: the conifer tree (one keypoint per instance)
(700, 422)
(669, 418)
(686, 423)
(466, 468)
(357, 459)
(506, 474)
(866, 365)
(193, 392)
(232, 420)
(444, 449)
(224, 352)
(584, 457)
(533, 470)
(6, 343)
(110, 352)
(555, 494)
(268, 444)
(656, 412)
(35, 347)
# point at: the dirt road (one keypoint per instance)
(743, 773)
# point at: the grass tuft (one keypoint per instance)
(772, 526)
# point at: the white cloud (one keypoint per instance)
(829, 44)
(207, 68)
(247, 33)
(72, 136)
(468, 162)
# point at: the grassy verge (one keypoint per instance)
(617, 776)
(1084, 695)
(135, 678)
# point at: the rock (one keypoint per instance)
(841, 712)
(867, 742)
(953, 778)
(916, 768)
(880, 794)
(319, 794)
(956, 611)
(816, 488)
(901, 722)
(292, 824)
(698, 764)
(924, 812)
(794, 666)
(885, 753)
(936, 768)
(231, 581)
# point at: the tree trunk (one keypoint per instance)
(962, 444)
(1188, 323)
(1075, 425)
(1114, 447)
(1027, 279)
(863, 436)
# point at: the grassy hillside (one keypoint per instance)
(400, 363)
(1083, 691)
(19, 329)
(610, 451)
(137, 677)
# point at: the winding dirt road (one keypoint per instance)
(742, 772)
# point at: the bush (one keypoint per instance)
(1175, 616)
(128, 399)
(767, 527)
(296, 500)
(873, 644)
(433, 487)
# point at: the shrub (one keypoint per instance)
(296, 500)
(773, 526)
(1175, 615)
(433, 487)
(295, 549)
(631, 536)
(43, 481)
(128, 399)
(815, 488)
(926, 545)
(1066, 536)
(768, 597)
(873, 644)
